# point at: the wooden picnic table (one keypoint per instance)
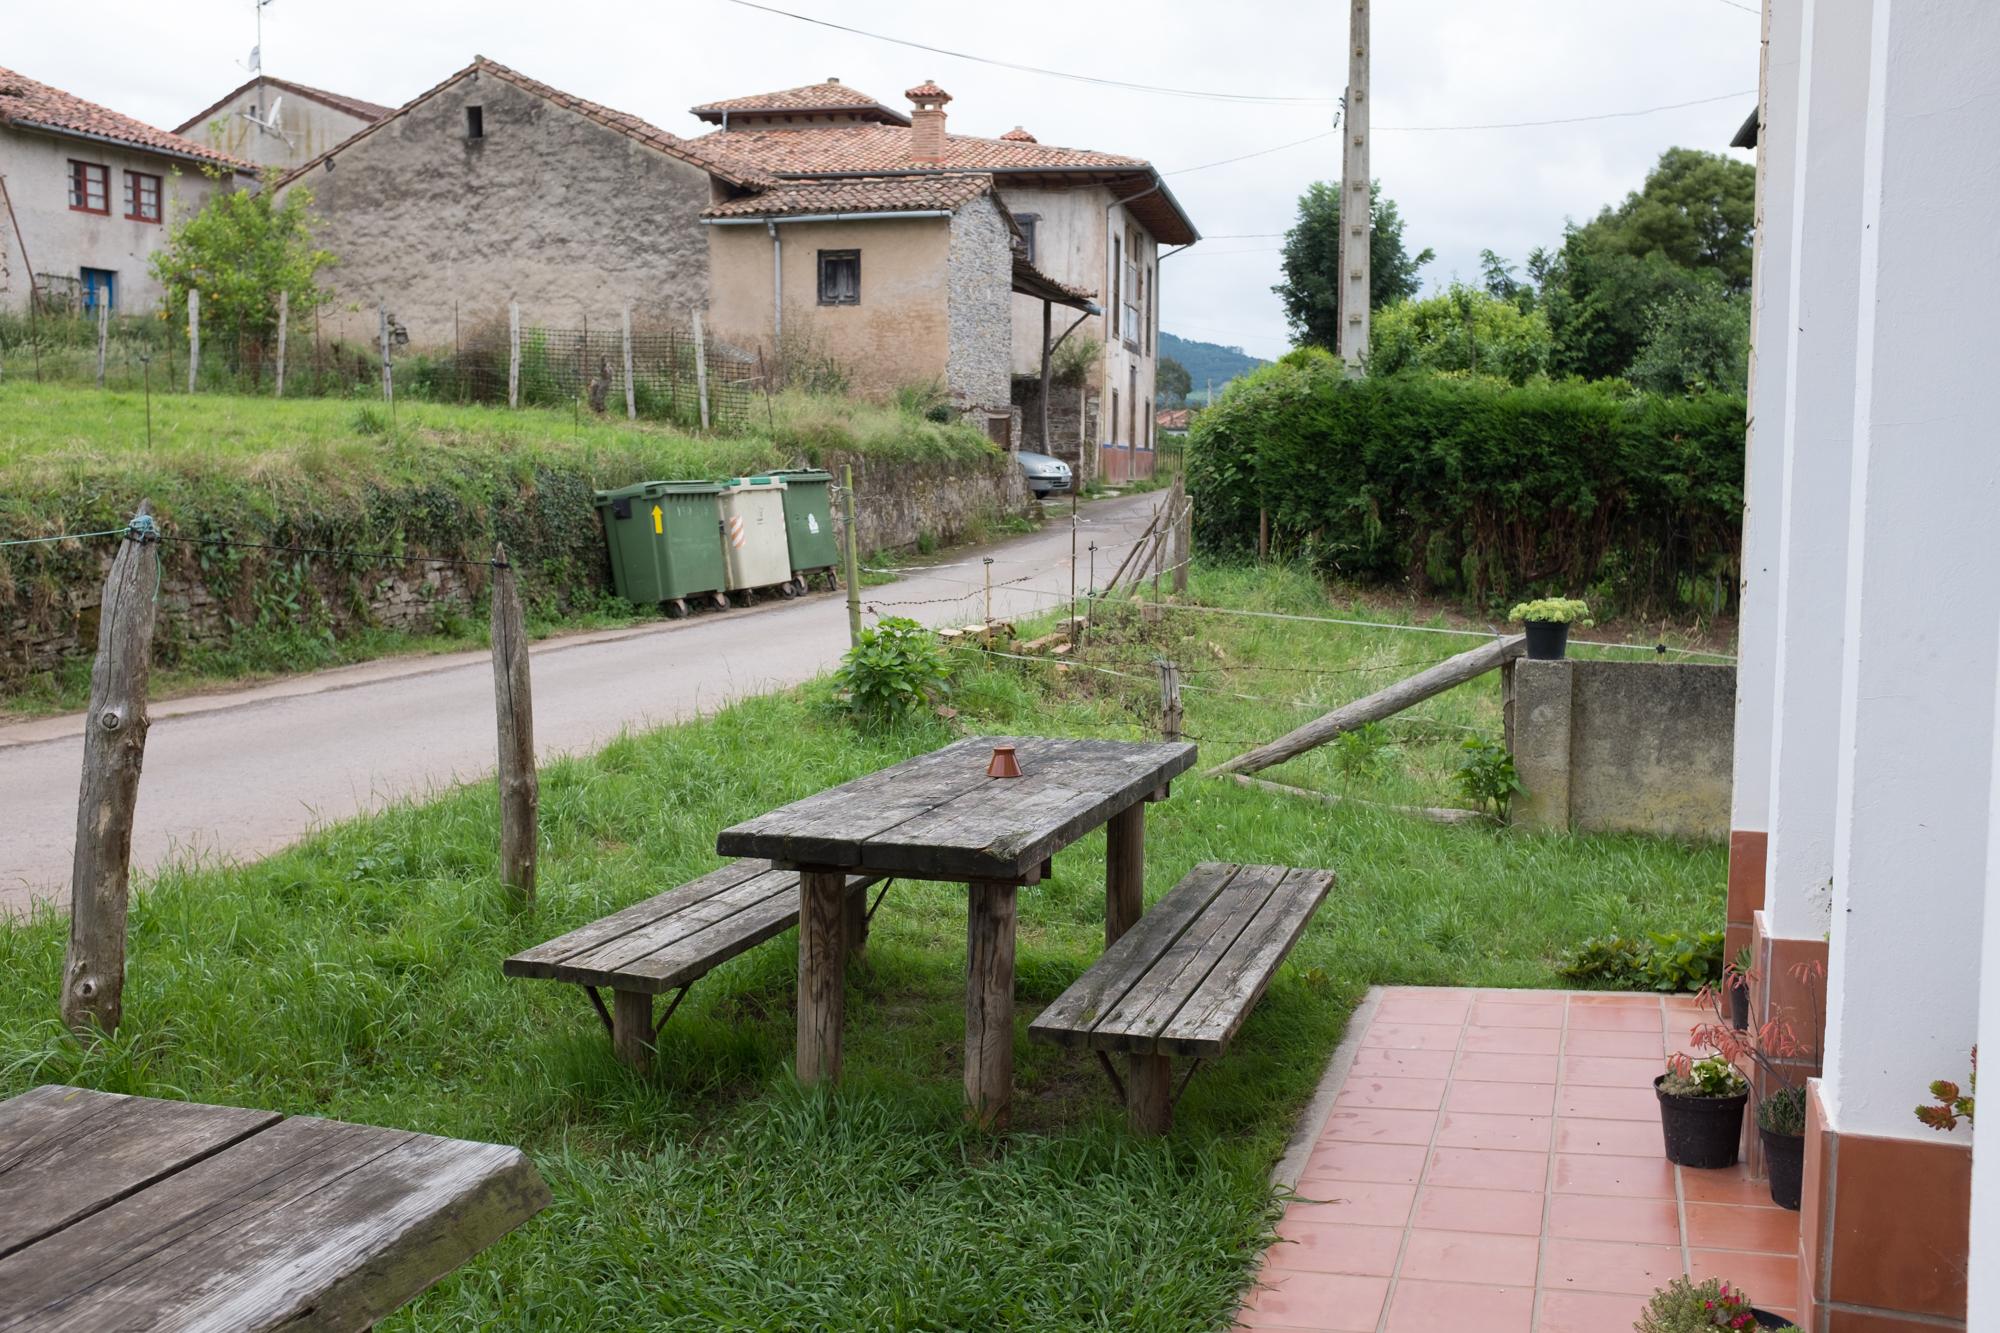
(132, 1213)
(940, 817)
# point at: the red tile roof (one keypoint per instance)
(812, 99)
(1019, 135)
(26, 103)
(857, 194)
(860, 148)
(927, 91)
(353, 106)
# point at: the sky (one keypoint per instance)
(1436, 63)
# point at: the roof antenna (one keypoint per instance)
(256, 62)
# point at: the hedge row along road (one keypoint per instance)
(241, 774)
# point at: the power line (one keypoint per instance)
(1198, 93)
(1566, 120)
(1745, 8)
(1261, 152)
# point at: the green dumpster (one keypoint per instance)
(809, 521)
(664, 542)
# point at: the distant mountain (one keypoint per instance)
(1208, 361)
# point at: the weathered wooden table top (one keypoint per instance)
(939, 816)
(130, 1213)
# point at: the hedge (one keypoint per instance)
(1477, 488)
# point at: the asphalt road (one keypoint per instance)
(238, 775)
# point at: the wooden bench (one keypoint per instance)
(1184, 978)
(670, 941)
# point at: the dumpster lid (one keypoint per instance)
(807, 474)
(769, 481)
(647, 490)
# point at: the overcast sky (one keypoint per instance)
(1437, 62)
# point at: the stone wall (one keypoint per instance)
(979, 302)
(1072, 424)
(1623, 747)
(897, 503)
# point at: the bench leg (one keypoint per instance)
(632, 1028)
(857, 920)
(822, 974)
(989, 1003)
(1149, 1093)
(1124, 872)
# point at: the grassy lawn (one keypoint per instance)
(357, 976)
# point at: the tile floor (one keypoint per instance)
(1493, 1164)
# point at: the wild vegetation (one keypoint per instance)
(357, 976)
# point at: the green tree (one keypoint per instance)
(1696, 341)
(240, 251)
(1311, 285)
(1461, 329)
(1172, 383)
(1498, 274)
(1697, 209)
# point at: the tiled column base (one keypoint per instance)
(1746, 885)
(1883, 1239)
(1779, 992)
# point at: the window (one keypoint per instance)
(840, 277)
(142, 197)
(99, 284)
(1133, 297)
(1030, 223)
(89, 187)
(475, 122)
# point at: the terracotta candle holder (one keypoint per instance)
(1003, 764)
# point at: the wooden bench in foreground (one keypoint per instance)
(672, 940)
(1184, 978)
(133, 1213)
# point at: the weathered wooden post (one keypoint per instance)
(1183, 537)
(631, 395)
(194, 335)
(822, 994)
(520, 791)
(701, 369)
(989, 1002)
(114, 747)
(513, 354)
(284, 315)
(853, 557)
(103, 331)
(388, 384)
(1170, 701)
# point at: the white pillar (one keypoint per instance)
(1818, 434)
(1917, 694)
(1983, 1270)
(1763, 473)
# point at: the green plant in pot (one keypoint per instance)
(1687, 1306)
(1701, 1110)
(1546, 622)
(1736, 977)
(1785, 1059)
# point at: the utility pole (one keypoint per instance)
(1355, 198)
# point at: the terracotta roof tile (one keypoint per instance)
(25, 102)
(859, 194)
(353, 106)
(1019, 135)
(860, 148)
(927, 91)
(813, 98)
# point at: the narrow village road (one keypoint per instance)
(241, 774)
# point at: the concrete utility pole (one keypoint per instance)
(1354, 199)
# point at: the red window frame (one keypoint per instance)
(136, 200)
(81, 178)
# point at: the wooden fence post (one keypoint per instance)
(114, 747)
(1170, 701)
(1183, 537)
(388, 383)
(701, 368)
(513, 354)
(194, 335)
(284, 316)
(631, 395)
(520, 791)
(103, 331)
(853, 544)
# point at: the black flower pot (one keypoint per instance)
(1739, 1006)
(1785, 1162)
(1548, 640)
(1701, 1131)
(1766, 1320)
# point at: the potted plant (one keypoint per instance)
(1736, 976)
(1949, 1105)
(1701, 1110)
(1686, 1306)
(1786, 1060)
(1546, 622)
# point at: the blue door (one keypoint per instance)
(100, 284)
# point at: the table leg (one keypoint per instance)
(989, 1003)
(822, 973)
(1124, 871)
(632, 1028)
(1149, 1093)
(857, 920)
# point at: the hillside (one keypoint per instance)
(1207, 361)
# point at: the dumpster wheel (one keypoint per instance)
(789, 588)
(677, 609)
(719, 600)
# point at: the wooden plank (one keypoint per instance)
(1149, 1093)
(989, 1004)
(308, 1225)
(1217, 1009)
(632, 1029)
(66, 1153)
(822, 995)
(1069, 1019)
(611, 962)
(1124, 871)
(543, 959)
(1436, 814)
(1403, 694)
(828, 828)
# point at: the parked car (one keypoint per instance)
(1046, 476)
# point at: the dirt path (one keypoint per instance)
(241, 774)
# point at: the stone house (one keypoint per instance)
(1089, 225)
(493, 188)
(277, 123)
(88, 198)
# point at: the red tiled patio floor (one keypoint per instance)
(1493, 1164)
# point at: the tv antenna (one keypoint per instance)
(256, 62)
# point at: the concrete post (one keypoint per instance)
(1983, 1295)
(1356, 213)
(1818, 434)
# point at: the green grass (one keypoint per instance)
(357, 976)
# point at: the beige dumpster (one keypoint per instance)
(753, 534)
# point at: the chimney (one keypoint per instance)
(927, 122)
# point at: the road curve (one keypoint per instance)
(238, 775)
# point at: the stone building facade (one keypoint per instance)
(275, 123)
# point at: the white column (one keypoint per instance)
(1763, 474)
(1917, 694)
(1818, 434)
(1983, 1293)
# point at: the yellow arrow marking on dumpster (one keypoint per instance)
(658, 527)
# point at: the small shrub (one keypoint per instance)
(896, 669)
(1684, 1306)
(1783, 1112)
(1665, 961)
(1364, 753)
(1073, 361)
(1615, 962)
(1553, 611)
(1486, 775)
(1712, 1077)
(1950, 1104)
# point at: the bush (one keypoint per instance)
(1684, 1306)
(1476, 488)
(1486, 775)
(1666, 961)
(896, 669)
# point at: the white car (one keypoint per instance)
(1046, 476)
